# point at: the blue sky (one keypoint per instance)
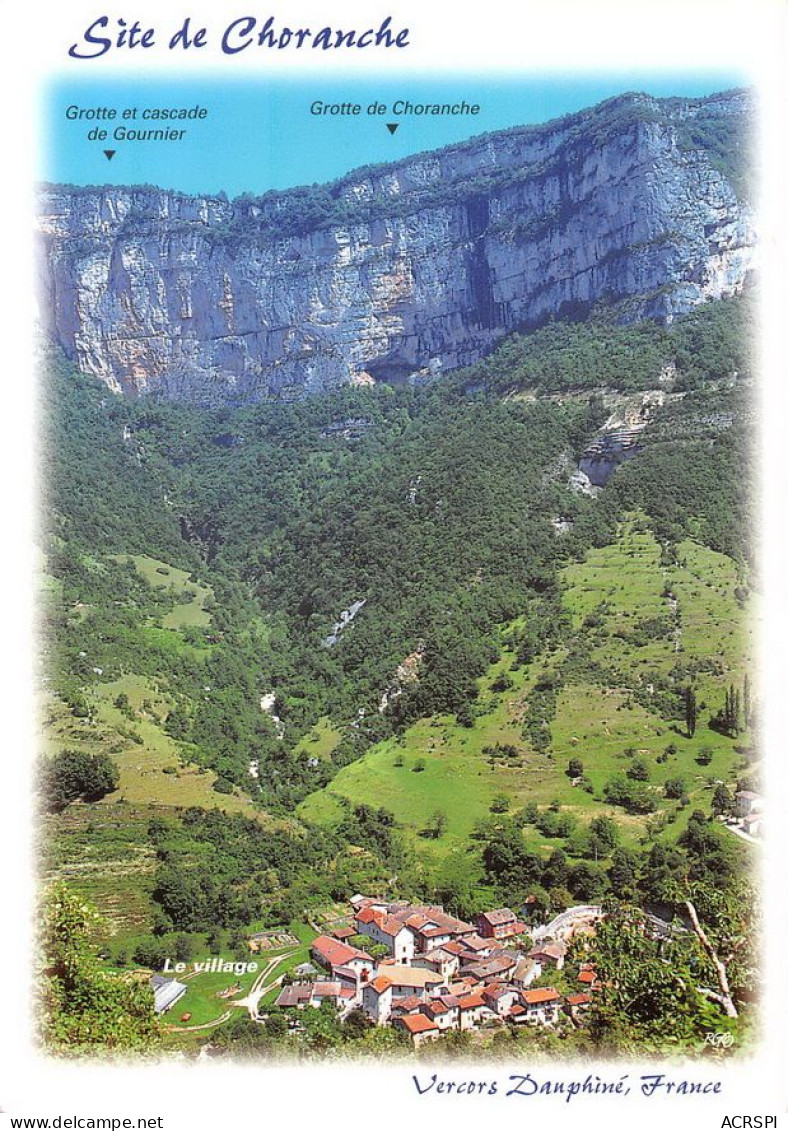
(260, 135)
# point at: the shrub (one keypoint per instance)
(72, 774)
(639, 770)
(674, 788)
(501, 682)
(629, 795)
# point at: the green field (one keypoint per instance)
(648, 615)
(321, 741)
(457, 778)
(188, 596)
(201, 999)
(151, 769)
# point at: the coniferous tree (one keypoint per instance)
(690, 711)
(747, 701)
(732, 712)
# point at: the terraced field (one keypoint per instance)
(150, 763)
(104, 852)
(153, 767)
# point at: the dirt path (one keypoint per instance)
(196, 1028)
(261, 985)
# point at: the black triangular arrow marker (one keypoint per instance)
(109, 154)
(392, 127)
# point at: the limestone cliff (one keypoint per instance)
(402, 269)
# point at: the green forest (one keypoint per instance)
(295, 649)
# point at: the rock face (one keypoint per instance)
(403, 270)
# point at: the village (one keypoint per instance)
(418, 969)
(425, 972)
(431, 973)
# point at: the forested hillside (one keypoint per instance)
(387, 632)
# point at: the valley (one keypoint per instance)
(373, 604)
(538, 752)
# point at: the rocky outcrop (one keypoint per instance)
(399, 271)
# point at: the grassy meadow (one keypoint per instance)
(646, 617)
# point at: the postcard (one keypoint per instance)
(394, 457)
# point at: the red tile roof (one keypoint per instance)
(379, 984)
(499, 917)
(389, 925)
(359, 901)
(297, 994)
(578, 999)
(385, 923)
(407, 1004)
(336, 953)
(491, 967)
(554, 950)
(418, 1023)
(475, 942)
(495, 991)
(439, 954)
(342, 933)
(455, 947)
(437, 1006)
(449, 1000)
(462, 986)
(471, 1001)
(415, 920)
(538, 997)
(326, 989)
(432, 921)
(346, 972)
(523, 969)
